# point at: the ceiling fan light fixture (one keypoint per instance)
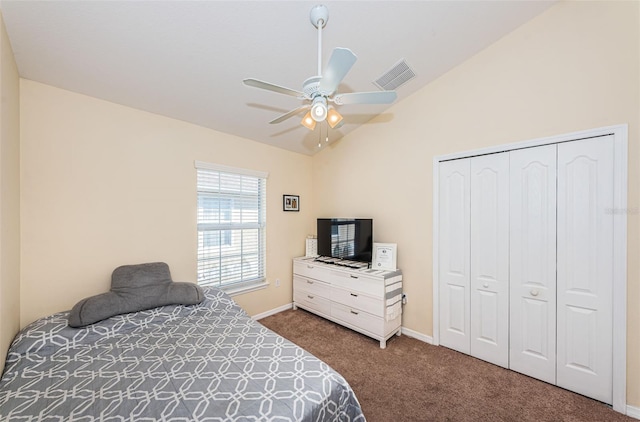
(333, 117)
(319, 109)
(308, 121)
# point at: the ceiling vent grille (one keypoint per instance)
(398, 75)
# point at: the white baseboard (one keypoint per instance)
(272, 311)
(418, 336)
(633, 412)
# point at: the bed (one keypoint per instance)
(205, 362)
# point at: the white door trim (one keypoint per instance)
(620, 134)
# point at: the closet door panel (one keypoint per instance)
(454, 254)
(490, 258)
(533, 262)
(585, 267)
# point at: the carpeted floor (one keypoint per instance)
(414, 381)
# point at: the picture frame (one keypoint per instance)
(384, 256)
(291, 203)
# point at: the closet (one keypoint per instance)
(525, 263)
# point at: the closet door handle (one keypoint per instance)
(534, 292)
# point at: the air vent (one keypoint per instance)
(398, 75)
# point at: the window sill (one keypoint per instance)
(238, 290)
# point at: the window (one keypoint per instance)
(231, 226)
(343, 239)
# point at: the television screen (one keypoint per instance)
(345, 238)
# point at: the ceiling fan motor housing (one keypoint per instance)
(310, 86)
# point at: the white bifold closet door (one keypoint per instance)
(490, 258)
(526, 261)
(474, 256)
(585, 267)
(454, 254)
(533, 262)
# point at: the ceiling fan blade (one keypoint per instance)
(375, 97)
(340, 62)
(272, 87)
(290, 114)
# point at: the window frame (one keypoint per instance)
(240, 286)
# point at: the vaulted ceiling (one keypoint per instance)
(187, 59)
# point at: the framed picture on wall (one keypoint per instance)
(291, 202)
(384, 256)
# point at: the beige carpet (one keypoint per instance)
(414, 381)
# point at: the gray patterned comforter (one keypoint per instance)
(208, 362)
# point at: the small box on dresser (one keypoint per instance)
(365, 300)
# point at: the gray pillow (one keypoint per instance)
(135, 288)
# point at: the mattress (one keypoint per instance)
(207, 362)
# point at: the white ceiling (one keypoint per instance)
(187, 59)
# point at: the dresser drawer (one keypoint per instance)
(364, 284)
(358, 318)
(355, 299)
(312, 302)
(313, 287)
(308, 269)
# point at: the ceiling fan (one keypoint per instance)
(320, 90)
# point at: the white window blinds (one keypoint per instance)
(343, 239)
(231, 225)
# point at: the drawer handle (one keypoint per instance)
(310, 267)
(534, 292)
(485, 285)
(310, 297)
(354, 312)
(353, 276)
(353, 294)
(309, 282)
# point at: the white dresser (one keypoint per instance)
(365, 300)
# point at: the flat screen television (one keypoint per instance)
(345, 238)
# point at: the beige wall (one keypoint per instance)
(105, 185)
(575, 67)
(9, 195)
